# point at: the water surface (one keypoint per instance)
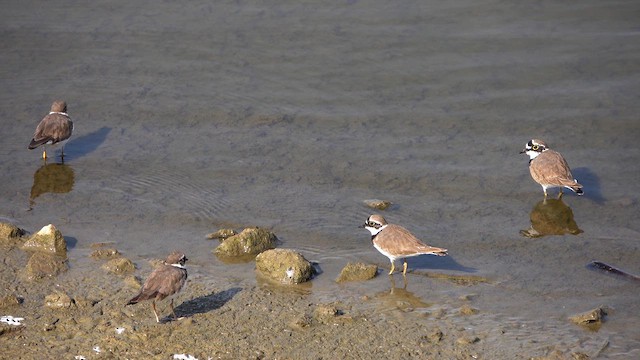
(288, 115)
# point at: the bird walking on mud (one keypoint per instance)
(163, 282)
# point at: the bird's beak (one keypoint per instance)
(361, 226)
(523, 151)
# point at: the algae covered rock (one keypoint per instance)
(42, 265)
(58, 300)
(284, 266)
(9, 233)
(119, 266)
(357, 272)
(105, 253)
(48, 239)
(377, 204)
(222, 234)
(250, 241)
(592, 319)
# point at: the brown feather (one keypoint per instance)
(550, 168)
(399, 242)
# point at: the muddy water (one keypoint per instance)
(193, 117)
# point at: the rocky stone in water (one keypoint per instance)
(105, 253)
(48, 239)
(377, 204)
(592, 319)
(222, 234)
(250, 241)
(284, 266)
(42, 265)
(58, 300)
(357, 272)
(10, 234)
(119, 266)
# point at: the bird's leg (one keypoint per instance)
(44, 152)
(155, 312)
(393, 267)
(172, 311)
(404, 267)
(560, 195)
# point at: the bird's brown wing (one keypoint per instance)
(552, 169)
(174, 278)
(403, 243)
(54, 128)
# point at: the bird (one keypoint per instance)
(55, 127)
(396, 242)
(164, 281)
(549, 168)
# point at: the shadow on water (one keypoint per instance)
(436, 262)
(591, 183)
(51, 178)
(206, 303)
(85, 144)
(71, 242)
(551, 217)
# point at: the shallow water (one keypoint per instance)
(289, 115)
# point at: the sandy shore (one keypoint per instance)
(263, 321)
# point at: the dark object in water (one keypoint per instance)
(597, 265)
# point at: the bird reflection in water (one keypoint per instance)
(51, 178)
(400, 298)
(551, 217)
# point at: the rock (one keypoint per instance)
(434, 337)
(119, 266)
(467, 340)
(377, 204)
(58, 301)
(250, 241)
(357, 272)
(48, 239)
(284, 265)
(10, 234)
(9, 301)
(42, 265)
(325, 313)
(105, 253)
(468, 310)
(592, 319)
(222, 234)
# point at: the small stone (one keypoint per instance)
(377, 204)
(105, 253)
(222, 234)
(357, 272)
(42, 265)
(133, 282)
(592, 319)
(468, 310)
(58, 301)
(302, 322)
(467, 340)
(10, 234)
(434, 337)
(250, 241)
(285, 266)
(9, 301)
(48, 239)
(119, 266)
(326, 313)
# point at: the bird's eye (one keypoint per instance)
(535, 147)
